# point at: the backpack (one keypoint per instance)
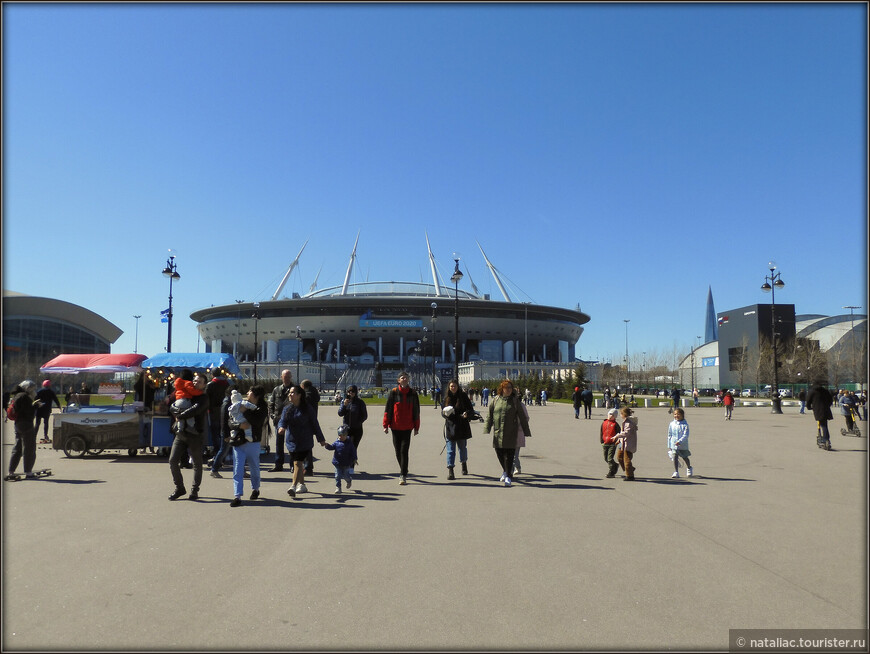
(10, 409)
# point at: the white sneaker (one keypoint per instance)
(301, 488)
(403, 482)
(503, 477)
(507, 481)
(676, 475)
(338, 490)
(689, 472)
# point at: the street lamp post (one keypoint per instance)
(627, 374)
(771, 283)
(434, 318)
(171, 271)
(236, 351)
(319, 364)
(298, 350)
(136, 342)
(456, 278)
(851, 309)
(256, 317)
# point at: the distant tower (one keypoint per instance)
(711, 328)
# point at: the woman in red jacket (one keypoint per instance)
(402, 414)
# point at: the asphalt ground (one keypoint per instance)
(770, 533)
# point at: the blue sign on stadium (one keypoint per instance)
(388, 322)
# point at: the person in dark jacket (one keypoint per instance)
(191, 440)
(23, 399)
(577, 400)
(45, 396)
(299, 427)
(354, 413)
(312, 397)
(587, 397)
(819, 402)
(224, 426)
(216, 389)
(457, 426)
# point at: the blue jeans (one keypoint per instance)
(451, 451)
(342, 472)
(249, 452)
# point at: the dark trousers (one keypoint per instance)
(823, 432)
(609, 453)
(356, 436)
(402, 444)
(587, 410)
(180, 450)
(279, 446)
(25, 443)
(44, 418)
(505, 457)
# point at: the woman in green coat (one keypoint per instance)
(505, 413)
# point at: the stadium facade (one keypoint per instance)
(391, 324)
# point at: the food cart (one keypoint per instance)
(82, 429)
(161, 370)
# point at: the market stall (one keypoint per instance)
(84, 429)
(161, 371)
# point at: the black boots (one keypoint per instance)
(194, 493)
(178, 492)
(464, 468)
(450, 474)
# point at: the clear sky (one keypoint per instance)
(623, 157)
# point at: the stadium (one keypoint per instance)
(377, 325)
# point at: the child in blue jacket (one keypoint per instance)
(344, 457)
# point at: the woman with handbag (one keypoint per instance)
(457, 426)
(504, 417)
(248, 451)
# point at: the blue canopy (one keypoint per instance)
(194, 361)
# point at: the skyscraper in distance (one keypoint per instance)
(711, 327)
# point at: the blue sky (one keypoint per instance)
(620, 157)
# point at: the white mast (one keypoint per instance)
(349, 267)
(287, 275)
(313, 286)
(432, 266)
(495, 275)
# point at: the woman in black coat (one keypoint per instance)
(457, 425)
(819, 401)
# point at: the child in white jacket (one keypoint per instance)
(678, 443)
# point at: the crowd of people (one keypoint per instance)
(210, 413)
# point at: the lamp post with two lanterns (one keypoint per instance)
(171, 271)
(456, 278)
(771, 283)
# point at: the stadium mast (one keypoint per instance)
(287, 275)
(495, 275)
(349, 267)
(432, 266)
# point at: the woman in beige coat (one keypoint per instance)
(504, 416)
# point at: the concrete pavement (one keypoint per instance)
(771, 533)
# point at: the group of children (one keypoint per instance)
(620, 442)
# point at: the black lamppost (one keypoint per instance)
(319, 365)
(434, 318)
(627, 375)
(298, 350)
(256, 317)
(171, 271)
(771, 283)
(236, 349)
(456, 278)
(854, 367)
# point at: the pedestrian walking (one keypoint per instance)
(402, 416)
(609, 430)
(503, 419)
(678, 443)
(627, 443)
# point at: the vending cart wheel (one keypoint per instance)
(99, 450)
(75, 447)
(132, 451)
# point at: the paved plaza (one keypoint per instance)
(770, 533)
